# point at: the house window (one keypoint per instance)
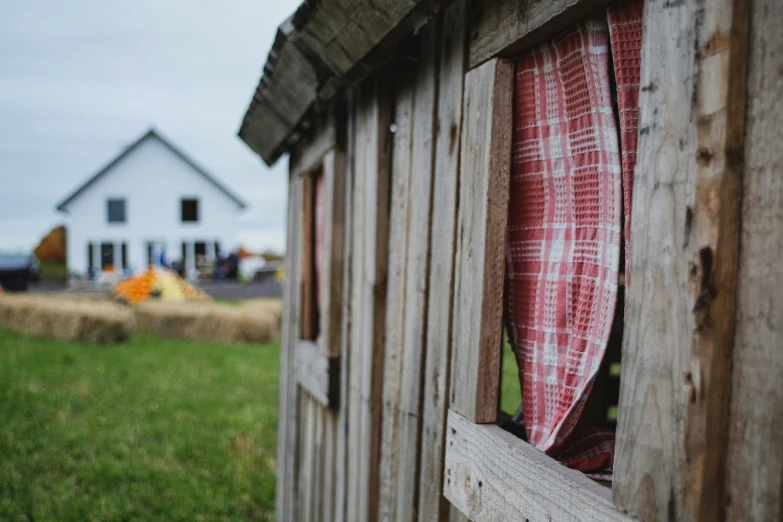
(189, 209)
(115, 210)
(124, 256)
(90, 257)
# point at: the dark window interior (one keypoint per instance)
(201, 248)
(107, 255)
(189, 210)
(124, 255)
(116, 210)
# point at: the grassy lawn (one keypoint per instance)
(149, 430)
(510, 394)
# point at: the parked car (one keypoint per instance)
(17, 271)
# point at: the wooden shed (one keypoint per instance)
(580, 174)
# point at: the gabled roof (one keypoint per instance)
(149, 135)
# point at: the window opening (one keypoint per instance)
(312, 190)
(189, 210)
(115, 210)
(90, 257)
(107, 257)
(573, 154)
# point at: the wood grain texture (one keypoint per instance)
(493, 476)
(507, 28)
(433, 507)
(414, 348)
(341, 469)
(287, 404)
(318, 373)
(485, 166)
(395, 297)
(755, 455)
(680, 305)
(334, 236)
(370, 257)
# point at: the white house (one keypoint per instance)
(150, 200)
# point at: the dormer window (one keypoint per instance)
(115, 210)
(189, 210)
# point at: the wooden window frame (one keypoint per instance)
(317, 367)
(669, 458)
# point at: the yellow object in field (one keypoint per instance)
(161, 283)
(280, 275)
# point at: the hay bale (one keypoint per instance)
(251, 323)
(87, 320)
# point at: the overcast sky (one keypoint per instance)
(81, 80)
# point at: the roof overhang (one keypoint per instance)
(325, 46)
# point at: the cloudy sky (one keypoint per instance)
(80, 80)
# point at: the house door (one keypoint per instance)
(107, 256)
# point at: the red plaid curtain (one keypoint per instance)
(625, 28)
(564, 234)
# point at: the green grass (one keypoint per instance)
(53, 272)
(510, 394)
(149, 430)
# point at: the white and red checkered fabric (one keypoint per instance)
(625, 30)
(564, 226)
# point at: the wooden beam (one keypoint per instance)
(507, 28)
(287, 405)
(370, 257)
(433, 507)
(318, 374)
(755, 455)
(485, 167)
(341, 469)
(680, 305)
(402, 145)
(332, 270)
(491, 475)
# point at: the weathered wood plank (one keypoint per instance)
(317, 373)
(287, 406)
(485, 166)
(433, 507)
(492, 476)
(755, 455)
(371, 223)
(334, 236)
(341, 470)
(680, 305)
(507, 28)
(414, 348)
(395, 297)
